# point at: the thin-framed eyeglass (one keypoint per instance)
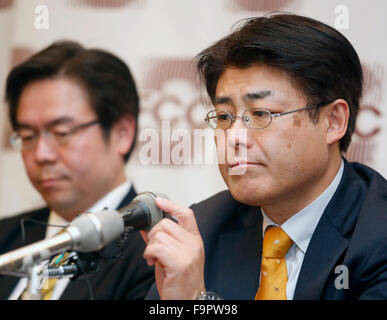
(58, 137)
(253, 118)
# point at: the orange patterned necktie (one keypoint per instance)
(276, 244)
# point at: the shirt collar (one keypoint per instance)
(110, 201)
(55, 222)
(300, 227)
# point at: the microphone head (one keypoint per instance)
(149, 199)
(142, 212)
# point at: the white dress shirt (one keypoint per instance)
(300, 228)
(110, 201)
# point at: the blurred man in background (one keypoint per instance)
(74, 112)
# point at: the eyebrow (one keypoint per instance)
(248, 97)
(257, 95)
(222, 100)
(61, 120)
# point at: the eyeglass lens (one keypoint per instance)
(255, 118)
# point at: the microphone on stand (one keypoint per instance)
(88, 232)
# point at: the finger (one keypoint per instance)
(184, 215)
(149, 256)
(169, 227)
(151, 253)
(167, 239)
(162, 248)
(144, 236)
(150, 261)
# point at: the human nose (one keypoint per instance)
(45, 150)
(238, 134)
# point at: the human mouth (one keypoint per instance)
(50, 181)
(241, 166)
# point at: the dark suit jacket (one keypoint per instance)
(351, 232)
(126, 278)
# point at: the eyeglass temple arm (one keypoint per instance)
(306, 108)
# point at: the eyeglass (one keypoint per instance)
(253, 118)
(59, 134)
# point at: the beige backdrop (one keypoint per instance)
(158, 39)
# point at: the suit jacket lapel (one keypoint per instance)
(128, 198)
(332, 235)
(240, 256)
(325, 248)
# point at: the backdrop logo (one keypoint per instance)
(264, 5)
(171, 126)
(6, 4)
(365, 142)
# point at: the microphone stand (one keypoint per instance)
(79, 266)
(35, 275)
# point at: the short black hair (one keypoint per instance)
(105, 77)
(321, 61)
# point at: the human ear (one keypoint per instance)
(123, 133)
(337, 115)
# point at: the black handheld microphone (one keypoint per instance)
(142, 213)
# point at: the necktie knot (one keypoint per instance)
(276, 243)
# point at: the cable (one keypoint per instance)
(37, 222)
(79, 265)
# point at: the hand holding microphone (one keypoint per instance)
(177, 252)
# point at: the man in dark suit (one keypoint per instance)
(298, 220)
(74, 112)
